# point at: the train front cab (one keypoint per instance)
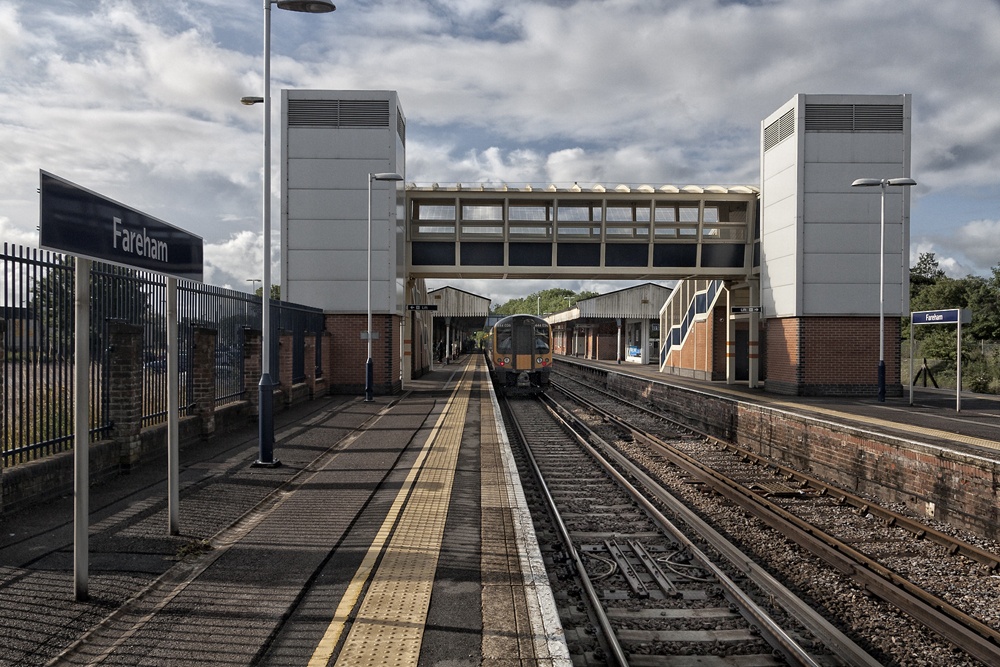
(522, 355)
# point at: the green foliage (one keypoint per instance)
(930, 289)
(541, 303)
(275, 292)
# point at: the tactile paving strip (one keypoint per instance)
(389, 626)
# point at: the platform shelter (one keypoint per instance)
(618, 326)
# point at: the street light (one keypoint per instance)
(369, 368)
(882, 183)
(253, 283)
(265, 411)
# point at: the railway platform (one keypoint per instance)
(932, 417)
(394, 532)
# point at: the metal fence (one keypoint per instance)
(36, 298)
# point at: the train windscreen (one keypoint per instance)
(541, 339)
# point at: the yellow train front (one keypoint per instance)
(519, 354)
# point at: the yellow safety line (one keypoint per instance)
(840, 414)
(454, 411)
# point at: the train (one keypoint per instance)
(518, 353)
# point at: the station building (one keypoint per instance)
(777, 283)
(619, 326)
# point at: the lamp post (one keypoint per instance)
(882, 183)
(265, 412)
(369, 367)
(253, 284)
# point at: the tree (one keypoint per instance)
(275, 292)
(547, 301)
(927, 270)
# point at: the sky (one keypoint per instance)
(138, 100)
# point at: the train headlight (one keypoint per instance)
(539, 360)
(506, 360)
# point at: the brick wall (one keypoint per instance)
(350, 353)
(124, 383)
(203, 369)
(943, 484)
(696, 357)
(783, 356)
(831, 356)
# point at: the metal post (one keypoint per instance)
(265, 388)
(618, 344)
(369, 367)
(173, 416)
(81, 431)
(881, 300)
(883, 183)
(958, 365)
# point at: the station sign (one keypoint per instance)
(79, 222)
(421, 306)
(957, 316)
(744, 310)
(951, 316)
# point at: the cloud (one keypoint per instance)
(139, 100)
(236, 262)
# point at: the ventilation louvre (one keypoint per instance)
(779, 130)
(854, 118)
(338, 113)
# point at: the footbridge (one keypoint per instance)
(622, 233)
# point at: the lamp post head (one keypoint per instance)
(385, 176)
(250, 101)
(866, 182)
(863, 182)
(309, 6)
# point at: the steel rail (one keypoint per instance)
(776, 636)
(610, 638)
(990, 561)
(957, 627)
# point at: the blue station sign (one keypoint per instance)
(77, 221)
(950, 316)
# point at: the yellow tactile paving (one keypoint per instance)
(389, 626)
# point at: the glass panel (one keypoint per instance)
(638, 212)
(711, 214)
(433, 211)
(432, 229)
(589, 232)
(523, 230)
(688, 213)
(541, 339)
(579, 213)
(728, 211)
(532, 212)
(476, 229)
(725, 232)
(482, 212)
(629, 230)
(666, 213)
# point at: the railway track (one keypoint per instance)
(641, 588)
(945, 583)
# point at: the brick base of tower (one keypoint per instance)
(830, 356)
(350, 353)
